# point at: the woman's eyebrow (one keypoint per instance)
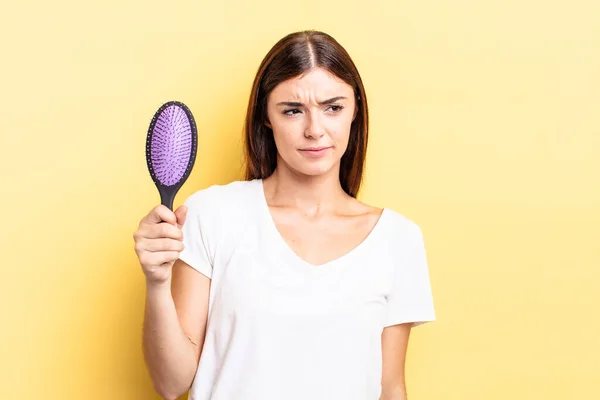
(296, 104)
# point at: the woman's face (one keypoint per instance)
(310, 117)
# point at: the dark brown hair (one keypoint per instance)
(290, 57)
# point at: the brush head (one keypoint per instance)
(171, 148)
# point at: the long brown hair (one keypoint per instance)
(290, 57)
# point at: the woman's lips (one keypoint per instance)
(315, 152)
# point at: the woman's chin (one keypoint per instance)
(311, 167)
(315, 168)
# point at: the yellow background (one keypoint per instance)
(485, 131)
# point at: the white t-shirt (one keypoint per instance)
(281, 328)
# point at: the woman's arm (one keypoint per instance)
(394, 342)
(174, 328)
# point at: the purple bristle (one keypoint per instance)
(171, 145)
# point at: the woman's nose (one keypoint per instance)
(315, 128)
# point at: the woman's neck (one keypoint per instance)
(313, 195)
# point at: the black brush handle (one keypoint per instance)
(167, 194)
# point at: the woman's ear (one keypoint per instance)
(268, 124)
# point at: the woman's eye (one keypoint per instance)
(336, 108)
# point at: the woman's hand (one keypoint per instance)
(158, 242)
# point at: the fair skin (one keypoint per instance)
(310, 117)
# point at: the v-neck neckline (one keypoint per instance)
(280, 241)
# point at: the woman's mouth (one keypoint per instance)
(315, 152)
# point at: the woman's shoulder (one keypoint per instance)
(391, 218)
(401, 228)
(397, 227)
(219, 198)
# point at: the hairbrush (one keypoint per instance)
(171, 149)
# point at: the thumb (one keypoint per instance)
(181, 214)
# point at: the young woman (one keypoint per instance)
(284, 286)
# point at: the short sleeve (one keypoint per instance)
(198, 237)
(410, 299)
